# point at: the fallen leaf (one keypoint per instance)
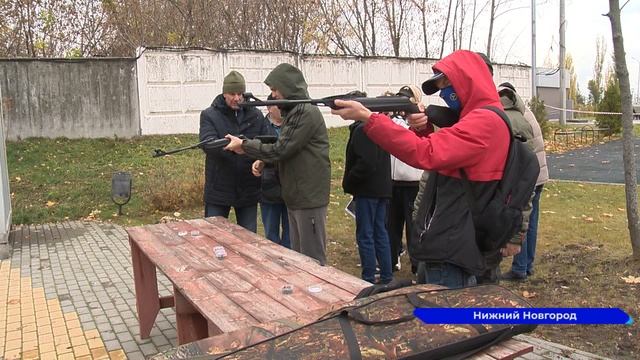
(50, 203)
(176, 214)
(631, 279)
(607, 215)
(580, 185)
(18, 178)
(588, 219)
(564, 287)
(528, 295)
(586, 278)
(606, 228)
(548, 212)
(621, 209)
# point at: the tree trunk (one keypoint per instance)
(424, 29)
(444, 32)
(492, 18)
(628, 154)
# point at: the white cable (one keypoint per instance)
(585, 112)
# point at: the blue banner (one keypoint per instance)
(546, 316)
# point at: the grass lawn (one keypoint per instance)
(583, 246)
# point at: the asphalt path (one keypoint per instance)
(598, 163)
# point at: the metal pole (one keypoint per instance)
(534, 80)
(638, 86)
(563, 90)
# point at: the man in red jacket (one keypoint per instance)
(478, 143)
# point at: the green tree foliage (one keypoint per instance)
(611, 102)
(595, 85)
(574, 92)
(536, 105)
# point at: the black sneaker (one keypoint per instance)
(530, 272)
(513, 276)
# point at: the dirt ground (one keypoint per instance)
(580, 276)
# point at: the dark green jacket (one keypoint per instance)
(302, 149)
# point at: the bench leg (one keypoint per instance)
(146, 284)
(192, 325)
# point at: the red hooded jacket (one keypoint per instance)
(478, 142)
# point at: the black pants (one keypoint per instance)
(400, 211)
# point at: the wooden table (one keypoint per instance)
(213, 296)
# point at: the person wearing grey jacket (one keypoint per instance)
(302, 153)
(522, 265)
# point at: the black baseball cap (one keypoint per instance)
(487, 61)
(430, 87)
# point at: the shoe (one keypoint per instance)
(513, 276)
(530, 272)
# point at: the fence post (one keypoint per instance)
(5, 207)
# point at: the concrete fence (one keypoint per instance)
(87, 98)
(163, 91)
(175, 86)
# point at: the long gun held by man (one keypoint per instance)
(212, 144)
(385, 104)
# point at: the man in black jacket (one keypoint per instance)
(228, 179)
(367, 176)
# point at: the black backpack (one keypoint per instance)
(501, 219)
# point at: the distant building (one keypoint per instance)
(548, 81)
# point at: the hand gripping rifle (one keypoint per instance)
(211, 144)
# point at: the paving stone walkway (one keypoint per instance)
(67, 292)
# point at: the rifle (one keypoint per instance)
(395, 103)
(212, 144)
(440, 116)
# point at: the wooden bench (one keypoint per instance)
(213, 296)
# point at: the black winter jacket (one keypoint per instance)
(367, 170)
(228, 177)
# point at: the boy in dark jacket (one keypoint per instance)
(302, 153)
(446, 247)
(272, 207)
(228, 179)
(367, 176)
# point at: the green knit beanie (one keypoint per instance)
(233, 83)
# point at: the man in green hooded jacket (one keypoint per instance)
(302, 154)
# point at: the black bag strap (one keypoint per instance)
(465, 179)
(349, 337)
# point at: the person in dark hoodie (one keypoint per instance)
(367, 176)
(478, 143)
(302, 153)
(228, 179)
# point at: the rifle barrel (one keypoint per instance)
(375, 104)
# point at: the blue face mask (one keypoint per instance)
(451, 98)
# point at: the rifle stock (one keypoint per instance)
(376, 104)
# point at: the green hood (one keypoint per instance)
(510, 101)
(289, 80)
